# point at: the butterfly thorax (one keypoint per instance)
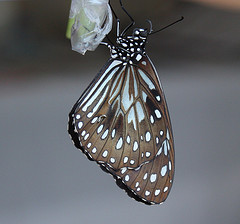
(130, 49)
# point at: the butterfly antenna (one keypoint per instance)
(150, 23)
(150, 33)
(132, 20)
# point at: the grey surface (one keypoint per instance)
(44, 179)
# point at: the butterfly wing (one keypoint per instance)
(151, 182)
(121, 121)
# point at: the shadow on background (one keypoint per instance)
(44, 179)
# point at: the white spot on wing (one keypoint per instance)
(167, 135)
(119, 143)
(145, 176)
(164, 170)
(112, 160)
(125, 159)
(128, 139)
(127, 178)
(165, 148)
(94, 150)
(78, 116)
(148, 136)
(135, 146)
(153, 177)
(148, 154)
(86, 136)
(105, 153)
(105, 134)
(147, 193)
(132, 161)
(113, 133)
(94, 120)
(158, 98)
(165, 189)
(158, 114)
(100, 128)
(123, 170)
(157, 192)
(169, 165)
(80, 124)
(151, 119)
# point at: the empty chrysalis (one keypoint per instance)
(90, 21)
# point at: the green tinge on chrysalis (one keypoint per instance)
(86, 25)
(69, 27)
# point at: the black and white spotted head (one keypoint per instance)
(132, 48)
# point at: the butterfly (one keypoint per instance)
(121, 121)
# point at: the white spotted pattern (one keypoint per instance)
(94, 120)
(132, 161)
(105, 153)
(157, 192)
(123, 170)
(112, 160)
(105, 134)
(165, 189)
(119, 143)
(86, 136)
(147, 193)
(148, 154)
(169, 165)
(125, 159)
(158, 98)
(148, 136)
(78, 116)
(113, 133)
(128, 139)
(151, 119)
(164, 170)
(127, 178)
(135, 146)
(100, 128)
(165, 148)
(153, 177)
(80, 124)
(145, 176)
(94, 150)
(158, 114)
(83, 133)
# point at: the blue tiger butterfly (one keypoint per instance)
(121, 121)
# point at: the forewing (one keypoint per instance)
(121, 119)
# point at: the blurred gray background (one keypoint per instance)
(44, 179)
